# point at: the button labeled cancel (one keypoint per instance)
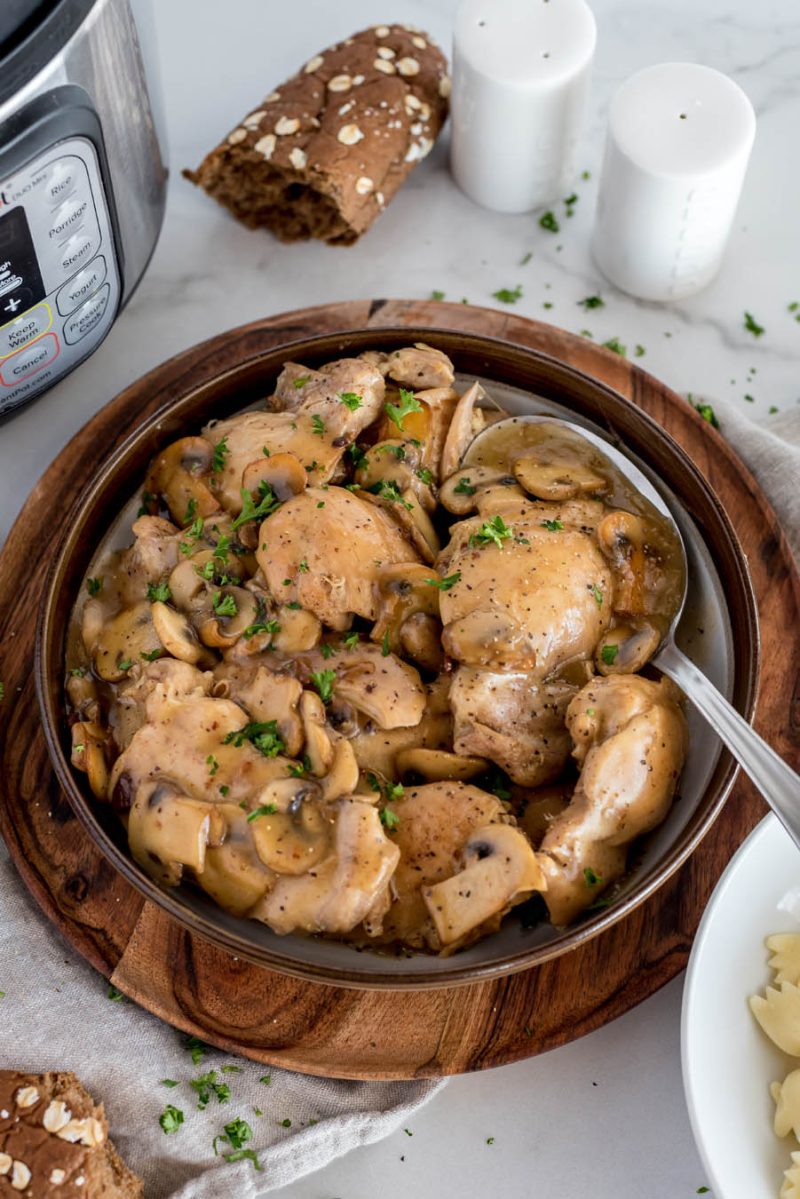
(81, 286)
(19, 332)
(25, 363)
(88, 316)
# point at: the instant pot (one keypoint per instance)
(82, 180)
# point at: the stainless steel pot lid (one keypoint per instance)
(18, 18)
(32, 33)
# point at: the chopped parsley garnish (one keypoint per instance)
(495, 530)
(490, 1140)
(78, 672)
(219, 455)
(508, 295)
(224, 605)
(552, 526)
(446, 583)
(352, 640)
(389, 819)
(598, 595)
(147, 499)
(224, 791)
(115, 994)
(356, 454)
(548, 221)
(639, 351)
(323, 681)
(191, 512)
(570, 202)
(266, 1079)
(196, 1048)
(170, 1119)
(251, 510)
(206, 1086)
(261, 626)
(327, 650)
(221, 548)
(170, 1082)
(464, 487)
(263, 735)
(158, 592)
(592, 302)
(397, 413)
(437, 295)
(125, 664)
(707, 412)
(592, 879)
(525, 259)
(264, 809)
(212, 764)
(152, 656)
(237, 1134)
(265, 451)
(298, 770)
(752, 325)
(385, 648)
(615, 345)
(286, 1123)
(424, 474)
(302, 566)
(206, 571)
(94, 586)
(388, 489)
(609, 654)
(318, 425)
(351, 400)
(195, 532)
(300, 381)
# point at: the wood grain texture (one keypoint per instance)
(322, 1029)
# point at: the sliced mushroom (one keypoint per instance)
(318, 747)
(284, 473)
(342, 777)
(621, 537)
(437, 765)
(224, 631)
(500, 869)
(625, 649)
(93, 621)
(82, 692)
(403, 589)
(557, 481)
(177, 474)
(122, 641)
(295, 835)
(380, 685)
(461, 491)
(394, 465)
(187, 585)
(421, 640)
(89, 748)
(234, 875)
(300, 630)
(465, 424)
(167, 828)
(177, 636)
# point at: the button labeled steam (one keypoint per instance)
(79, 250)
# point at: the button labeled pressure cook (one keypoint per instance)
(81, 286)
(25, 363)
(79, 250)
(88, 317)
(68, 218)
(19, 332)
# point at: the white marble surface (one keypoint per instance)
(555, 1131)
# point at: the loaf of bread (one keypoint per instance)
(54, 1142)
(324, 154)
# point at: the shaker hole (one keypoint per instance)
(682, 116)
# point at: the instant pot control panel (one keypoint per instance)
(59, 281)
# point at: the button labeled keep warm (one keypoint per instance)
(88, 316)
(81, 286)
(25, 363)
(24, 329)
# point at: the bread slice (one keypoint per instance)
(323, 155)
(54, 1142)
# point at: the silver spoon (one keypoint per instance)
(776, 780)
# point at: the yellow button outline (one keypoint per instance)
(41, 333)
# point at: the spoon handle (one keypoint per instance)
(774, 778)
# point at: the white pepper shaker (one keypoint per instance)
(521, 73)
(679, 139)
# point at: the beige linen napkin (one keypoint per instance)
(56, 1013)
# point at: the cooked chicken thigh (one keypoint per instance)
(526, 598)
(630, 741)
(323, 549)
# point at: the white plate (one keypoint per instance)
(728, 1063)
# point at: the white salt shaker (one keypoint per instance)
(520, 80)
(679, 139)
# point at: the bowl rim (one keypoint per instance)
(343, 341)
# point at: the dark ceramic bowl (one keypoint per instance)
(719, 631)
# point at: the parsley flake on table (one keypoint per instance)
(592, 879)
(707, 412)
(752, 325)
(251, 510)
(170, 1119)
(115, 994)
(592, 302)
(437, 295)
(237, 1133)
(552, 526)
(322, 681)
(196, 1048)
(495, 530)
(548, 221)
(266, 1079)
(526, 258)
(446, 583)
(609, 654)
(170, 1082)
(701, 1191)
(206, 1086)
(219, 454)
(286, 1123)
(639, 351)
(389, 819)
(464, 487)
(351, 400)
(490, 1140)
(94, 586)
(158, 592)
(508, 295)
(615, 345)
(262, 735)
(397, 413)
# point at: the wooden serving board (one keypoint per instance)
(312, 1027)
